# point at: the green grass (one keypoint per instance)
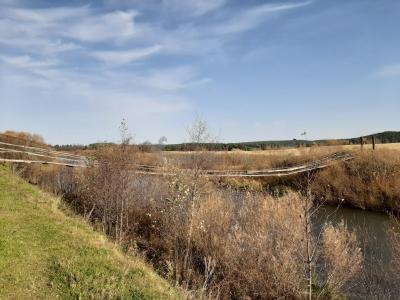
(46, 253)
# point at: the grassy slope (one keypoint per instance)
(46, 254)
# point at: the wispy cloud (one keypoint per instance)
(117, 37)
(81, 24)
(193, 7)
(39, 30)
(108, 95)
(171, 79)
(27, 62)
(117, 26)
(46, 16)
(128, 56)
(95, 53)
(253, 17)
(388, 71)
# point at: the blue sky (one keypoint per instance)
(255, 70)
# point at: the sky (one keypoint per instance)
(255, 70)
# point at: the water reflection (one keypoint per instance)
(370, 227)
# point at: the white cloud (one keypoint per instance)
(388, 71)
(253, 17)
(59, 46)
(139, 105)
(116, 37)
(180, 9)
(124, 57)
(27, 62)
(46, 16)
(117, 25)
(79, 23)
(171, 79)
(193, 7)
(107, 94)
(68, 55)
(201, 39)
(38, 31)
(93, 105)
(40, 45)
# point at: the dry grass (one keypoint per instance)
(370, 181)
(230, 243)
(388, 146)
(215, 243)
(239, 160)
(247, 160)
(342, 266)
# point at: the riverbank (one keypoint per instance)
(198, 234)
(371, 181)
(48, 253)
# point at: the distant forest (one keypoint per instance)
(383, 138)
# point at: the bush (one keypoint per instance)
(219, 243)
(370, 181)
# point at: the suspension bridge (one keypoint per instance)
(14, 153)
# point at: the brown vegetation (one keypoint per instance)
(258, 241)
(216, 243)
(22, 138)
(370, 181)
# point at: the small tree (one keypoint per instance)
(126, 137)
(187, 188)
(162, 140)
(199, 132)
(338, 247)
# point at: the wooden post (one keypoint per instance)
(362, 143)
(373, 143)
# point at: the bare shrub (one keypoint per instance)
(218, 243)
(108, 196)
(264, 252)
(199, 132)
(342, 255)
(185, 193)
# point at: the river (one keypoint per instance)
(370, 227)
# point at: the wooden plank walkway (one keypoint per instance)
(273, 172)
(52, 157)
(45, 156)
(43, 162)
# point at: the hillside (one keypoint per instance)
(382, 137)
(48, 253)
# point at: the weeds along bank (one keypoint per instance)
(370, 181)
(216, 243)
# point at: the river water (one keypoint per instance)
(370, 227)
